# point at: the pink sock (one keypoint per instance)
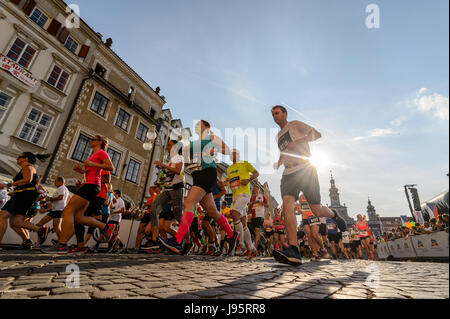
(186, 221)
(223, 223)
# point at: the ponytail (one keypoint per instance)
(33, 157)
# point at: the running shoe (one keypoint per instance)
(252, 254)
(233, 241)
(240, 251)
(55, 242)
(290, 256)
(26, 245)
(339, 220)
(172, 244)
(57, 249)
(78, 250)
(152, 245)
(197, 242)
(42, 234)
(187, 249)
(211, 250)
(108, 233)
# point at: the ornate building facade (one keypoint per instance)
(336, 203)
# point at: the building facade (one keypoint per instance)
(373, 220)
(43, 61)
(116, 103)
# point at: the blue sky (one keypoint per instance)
(379, 96)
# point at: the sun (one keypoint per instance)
(320, 161)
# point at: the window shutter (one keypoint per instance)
(16, 2)
(54, 27)
(84, 51)
(63, 35)
(28, 7)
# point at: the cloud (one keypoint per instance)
(435, 103)
(378, 132)
(398, 121)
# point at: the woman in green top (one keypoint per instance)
(203, 168)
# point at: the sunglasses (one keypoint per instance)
(21, 156)
(95, 140)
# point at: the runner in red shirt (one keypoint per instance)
(258, 204)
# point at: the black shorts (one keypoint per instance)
(305, 180)
(334, 237)
(269, 233)
(347, 245)
(105, 218)
(312, 220)
(89, 192)
(279, 231)
(167, 215)
(323, 229)
(205, 179)
(258, 222)
(95, 207)
(146, 218)
(21, 203)
(32, 212)
(55, 214)
(354, 245)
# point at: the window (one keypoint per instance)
(115, 159)
(99, 104)
(38, 17)
(4, 101)
(71, 44)
(21, 53)
(58, 78)
(122, 119)
(152, 113)
(35, 127)
(82, 148)
(132, 171)
(142, 132)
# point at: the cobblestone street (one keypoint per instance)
(35, 275)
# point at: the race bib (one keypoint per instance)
(314, 220)
(235, 182)
(364, 233)
(257, 205)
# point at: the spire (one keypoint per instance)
(334, 192)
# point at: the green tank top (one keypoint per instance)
(200, 156)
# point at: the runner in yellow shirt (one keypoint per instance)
(239, 179)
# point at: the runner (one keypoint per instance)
(311, 226)
(355, 243)
(346, 244)
(118, 208)
(334, 236)
(58, 202)
(25, 185)
(105, 213)
(258, 203)
(151, 231)
(173, 188)
(269, 233)
(204, 174)
(323, 232)
(146, 221)
(79, 203)
(299, 175)
(238, 177)
(279, 235)
(363, 228)
(218, 191)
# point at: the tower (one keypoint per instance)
(336, 202)
(373, 220)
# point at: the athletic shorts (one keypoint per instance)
(305, 180)
(363, 238)
(205, 179)
(167, 215)
(89, 192)
(55, 214)
(269, 233)
(334, 237)
(312, 220)
(146, 218)
(95, 207)
(258, 222)
(323, 229)
(279, 231)
(354, 244)
(240, 203)
(20, 203)
(347, 245)
(105, 218)
(32, 212)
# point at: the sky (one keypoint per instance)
(379, 96)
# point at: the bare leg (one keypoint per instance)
(57, 226)
(76, 204)
(290, 219)
(20, 222)
(4, 216)
(321, 211)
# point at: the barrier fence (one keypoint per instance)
(434, 245)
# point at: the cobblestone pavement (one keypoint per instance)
(38, 276)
